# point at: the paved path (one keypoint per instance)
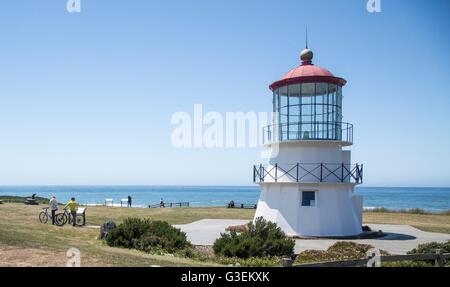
(206, 231)
(400, 239)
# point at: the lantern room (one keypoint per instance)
(307, 103)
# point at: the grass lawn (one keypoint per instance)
(98, 215)
(23, 237)
(24, 241)
(426, 222)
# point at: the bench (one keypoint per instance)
(109, 201)
(82, 211)
(122, 201)
(1, 201)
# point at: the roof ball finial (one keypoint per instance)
(306, 56)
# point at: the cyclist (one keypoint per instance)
(73, 207)
(53, 208)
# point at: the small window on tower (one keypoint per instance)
(308, 198)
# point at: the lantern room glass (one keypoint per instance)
(309, 111)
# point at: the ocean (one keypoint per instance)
(431, 199)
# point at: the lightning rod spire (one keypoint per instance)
(306, 36)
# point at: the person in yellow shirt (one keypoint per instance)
(73, 207)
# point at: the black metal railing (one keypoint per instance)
(302, 131)
(315, 173)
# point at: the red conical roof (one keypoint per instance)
(307, 73)
(308, 70)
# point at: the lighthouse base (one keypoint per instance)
(312, 210)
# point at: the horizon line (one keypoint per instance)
(186, 185)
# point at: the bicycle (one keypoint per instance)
(44, 215)
(66, 217)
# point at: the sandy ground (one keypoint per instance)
(12, 256)
(30, 257)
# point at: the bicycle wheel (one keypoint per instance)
(66, 218)
(60, 219)
(79, 220)
(43, 217)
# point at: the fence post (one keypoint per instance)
(276, 172)
(321, 172)
(361, 174)
(287, 262)
(439, 261)
(261, 176)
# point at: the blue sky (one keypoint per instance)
(87, 98)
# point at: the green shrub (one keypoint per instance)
(147, 235)
(405, 264)
(342, 250)
(250, 262)
(263, 239)
(431, 248)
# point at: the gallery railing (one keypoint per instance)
(302, 131)
(309, 173)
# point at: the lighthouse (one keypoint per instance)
(307, 186)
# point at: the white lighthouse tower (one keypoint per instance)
(307, 187)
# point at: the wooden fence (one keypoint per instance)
(439, 259)
(242, 205)
(169, 205)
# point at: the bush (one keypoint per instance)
(409, 264)
(263, 239)
(342, 250)
(148, 236)
(237, 228)
(350, 250)
(250, 262)
(431, 248)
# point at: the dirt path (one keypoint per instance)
(13, 256)
(30, 257)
